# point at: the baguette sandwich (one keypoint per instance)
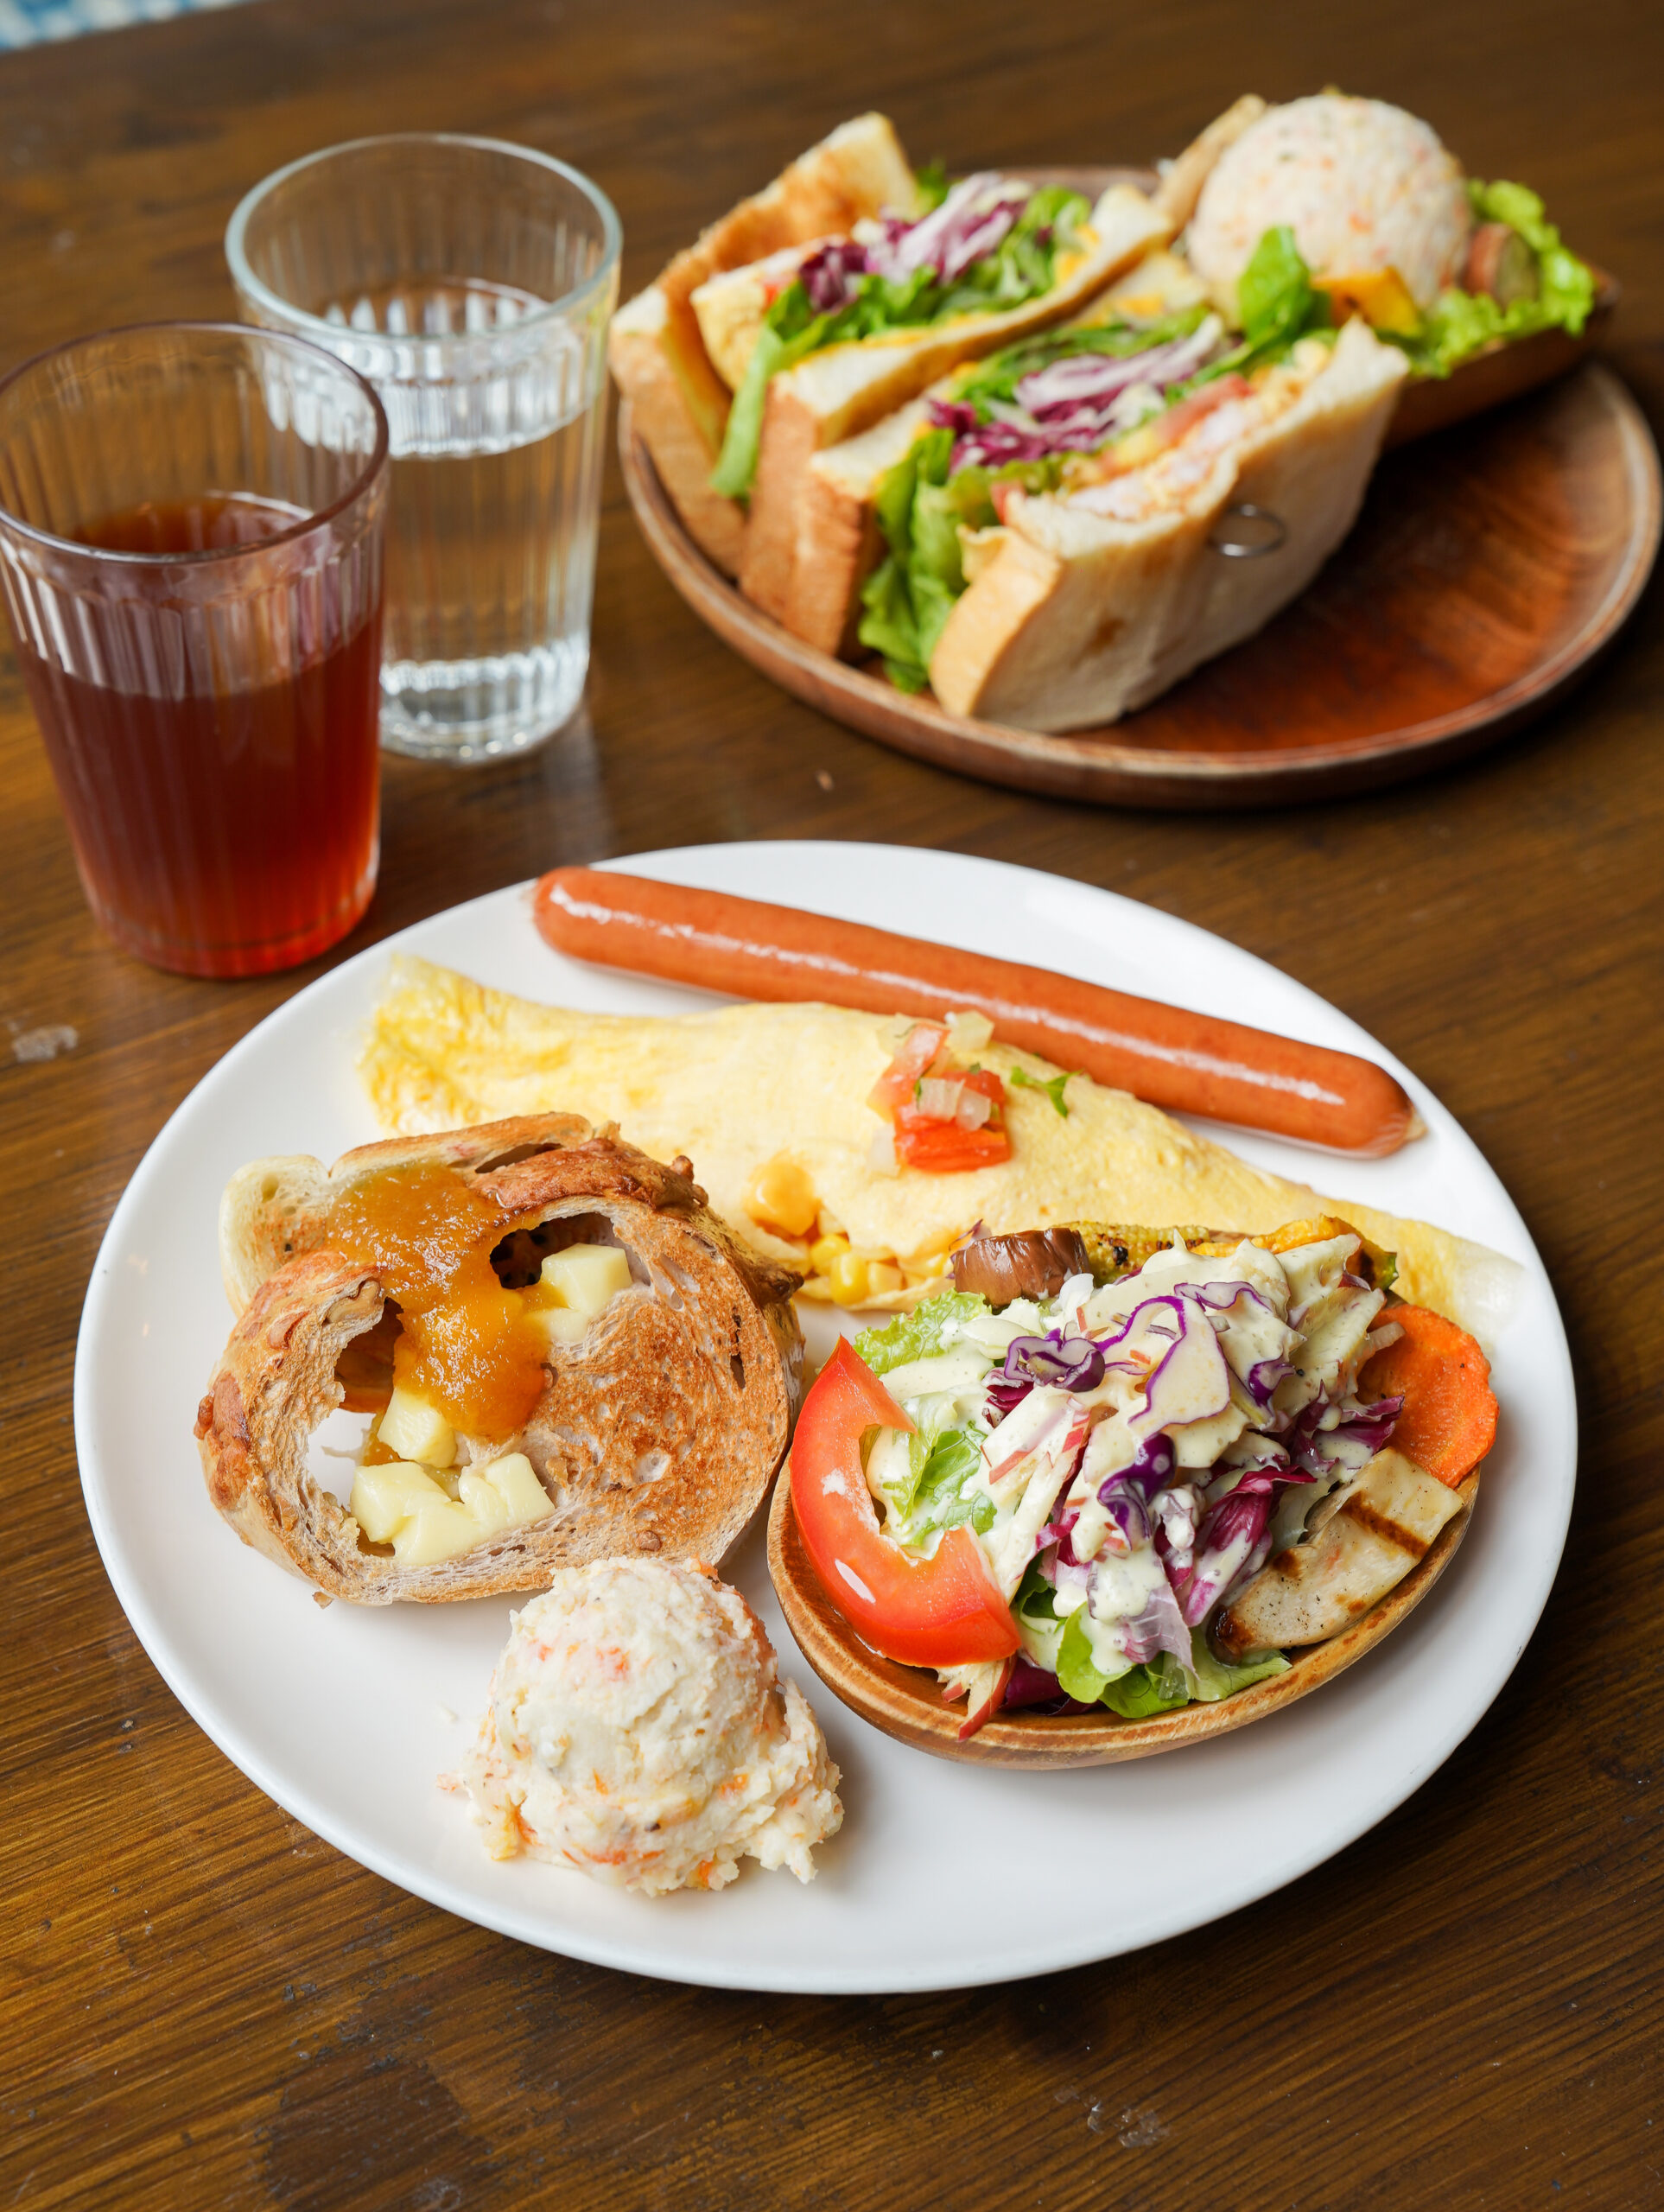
(569, 1357)
(655, 347)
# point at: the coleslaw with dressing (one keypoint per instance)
(1128, 1454)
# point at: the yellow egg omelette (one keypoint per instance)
(767, 1099)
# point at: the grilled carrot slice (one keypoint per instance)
(1449, 1420)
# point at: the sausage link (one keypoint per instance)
(1188, 1063)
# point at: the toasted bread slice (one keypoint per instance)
(1075, 617)
(838, 393)
(655, 348)
(1358, 1543)
(659, 1431)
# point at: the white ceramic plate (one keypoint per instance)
(342, 1714)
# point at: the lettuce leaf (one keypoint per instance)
(1021, 267)
(1278, 305)
(1274, 298)
(932, 182)
(922, 1332)
(1217, 1678)
(1024, 264)
(921, 508)
(1039, 1621)
(1161, 1685)
(1462, 324)
(938, 1500)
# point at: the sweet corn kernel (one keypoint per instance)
(882, 1279)
(825, 1251)
(782, 1197)
(847, 1279)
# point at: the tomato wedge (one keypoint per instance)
(942, 1611)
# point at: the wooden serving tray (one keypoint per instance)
(1500, 548)
(905, 1702)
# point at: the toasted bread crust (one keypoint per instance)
(1181, 187)
(655, 348)
(661, 1431)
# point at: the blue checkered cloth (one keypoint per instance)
(37, 22)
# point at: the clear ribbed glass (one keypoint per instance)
(191, 552)
(472, 284)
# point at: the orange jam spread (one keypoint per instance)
(466, 1345)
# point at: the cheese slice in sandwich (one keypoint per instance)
(835, 391)
(655, 348)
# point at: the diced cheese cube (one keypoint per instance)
(564, 1326)
(416, 1430)
(402, 1504)
(438, 1529)
(515, 1481)
(384, 1496)
(485, 1503)
(587, 1276)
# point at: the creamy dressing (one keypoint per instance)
(1200, 1379)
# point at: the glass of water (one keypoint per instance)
(471, 283)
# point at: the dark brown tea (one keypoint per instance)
(220, 783)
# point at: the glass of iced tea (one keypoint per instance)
(472, 284)
(191, 552)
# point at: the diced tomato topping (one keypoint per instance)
(940, 1143)
(946, 1149)
(894, 1088)
(942, 1612)
(986, 1081)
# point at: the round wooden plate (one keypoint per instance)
(1492, 563)
(905, 1702)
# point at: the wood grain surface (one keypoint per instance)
(206, 2006)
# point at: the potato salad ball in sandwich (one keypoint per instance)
(1364, 188)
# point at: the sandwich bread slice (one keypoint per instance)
(655, 348)
(836, 391)
(1083, 603)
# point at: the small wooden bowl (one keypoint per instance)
(905, 1702)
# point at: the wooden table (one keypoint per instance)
(207, 2006)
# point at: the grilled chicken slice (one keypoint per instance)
(1361, 1540)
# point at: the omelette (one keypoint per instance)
(762, 1098)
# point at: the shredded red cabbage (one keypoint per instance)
(1066, 1363)
(829, 275)
(1072, 405)
(955, 234)
(1031, 1689)
(1225, 1541)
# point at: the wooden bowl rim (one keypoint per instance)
(905, 1701)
